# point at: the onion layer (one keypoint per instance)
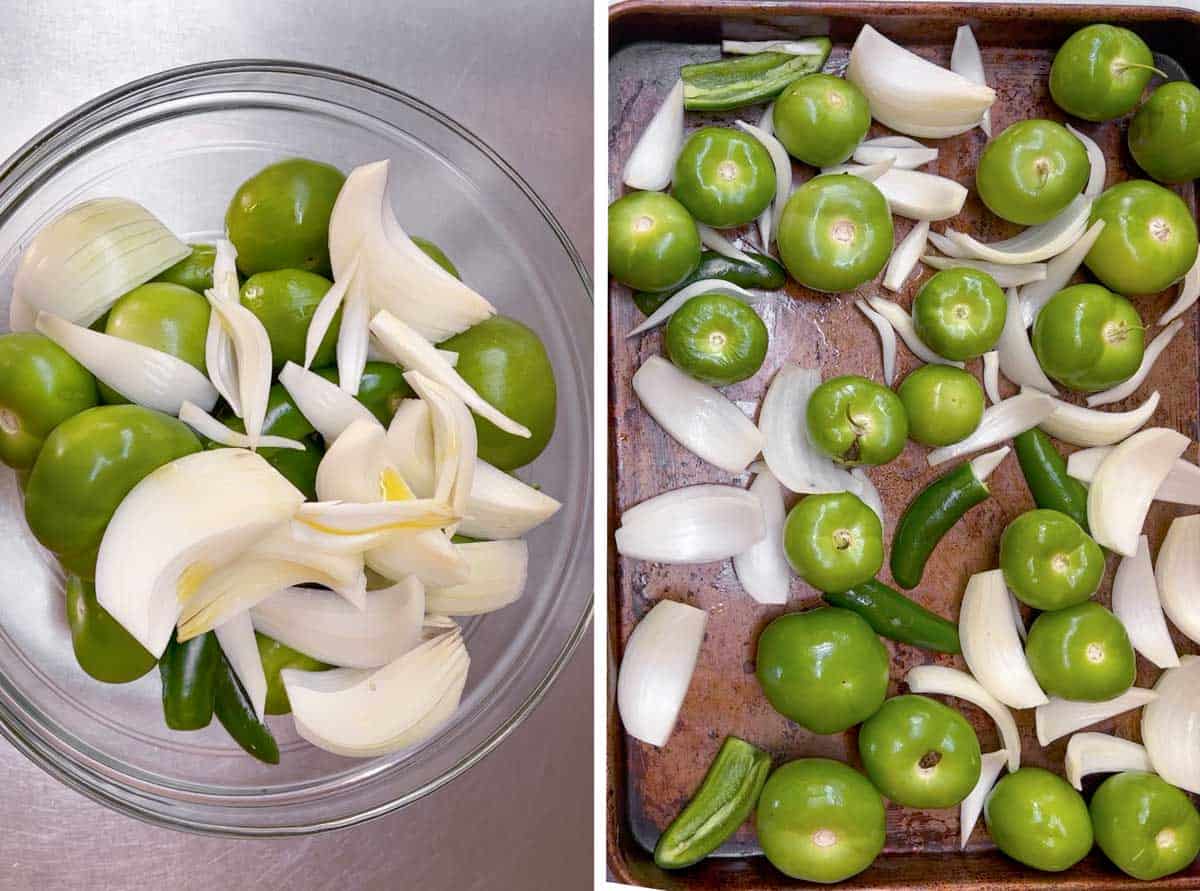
(1000, 422)
(794, 460)
(1006, 275)
(1182, 485)
(1036, 243)
(763, 568)
(906, 256)
(1089, 753)
(1171, 726)
(1059, 270)
(946, 681)
(887, 340)
(1129, 387)
(652, 160)
(1058, 717)
(1085, 427)
(1178, 575)
(990, 765)
(1189, 292)
(1018, 362)
(1136, 603)
(496, 575)
(965, 59)
(695, 524)
(991, 645)
(1124, 486)
(899, 319)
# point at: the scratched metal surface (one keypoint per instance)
(497, 827)
(649, 785)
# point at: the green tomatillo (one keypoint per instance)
(1164, 135)
(275, 658)
(1081, 652)
(959, 313)
(284, 300)
(1100, 71)
(820, 119)
(1035, 817)
(1088, 338)
(856, 421)
(653, 243)
(283, 418)
(944, 405)
(195, 271)
(1048, 561)
(1031, 171)
(1147, 827)
(103, 648)
(724, 177)
(717, 339)
(833, 541)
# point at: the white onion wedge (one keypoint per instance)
(326, 627)
(715, 241)
(357, 467)
(869, 172)
(990, 643)
(417, 354)
(180, 515)
(1099, 167)
(1135, 601)
(236, 638)
(219, 359)
(916, 195)
(887, 339)
(322, 319)
(210, 428)
(142, 375)
(1178, 575)
(898, 317)
(942, 680)
(1089, 753)
(455, 441)
(697, 416)
(1000, 422)
(652, 160)
(1086, 427)
(1006, 275)
(436, 625)
(767, 125)
(324, 404)
(695, 524)
(679, 298)
(1035, 244)
(1018, 362)
(1059, 270)
(252, 355)
(496, 575)
(808, 46)
(783, 168)
(1171, 726)
(991, 376)
(1124, 485)
(966, 60)
(990, 765)
(946, 245)
(906, 256)
(1182, 485)
(1189, 292)
(794, 460)
(1018, 619)
(1129, 387)
(429, 555)
(866, 492)
(656, 670)
(762, 569)
(354, 337)
(904, 153)
(1059, 717)
(350, 518)
(912, 95)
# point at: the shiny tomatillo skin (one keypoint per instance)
(944, 404)
(1088, 339)
(1031, 171)
(1081, 652)
(1144, 825)
(284, 300)
(103, 648)
(653, 243)
(717, 339)
(833, 541)
(1049, 562)
(1100, 71)
(724, 177)
(195, 271)
(820, 119)
(959, 313)
(856, 421)
(1035, 817)
(1164, 135)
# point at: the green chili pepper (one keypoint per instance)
(732, 83)
(928, 517)
(724, 800)
(895, 616)
(1045, 473)
(189, 676)
(237, 716)
(765, 273)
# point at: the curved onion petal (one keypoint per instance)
(905, 257)
(904, 153)
(794, 460)
(945, 681)
(1085, 427)
(887, 339)
(991, 376)
(1099, 169)
(1171, 726)
(715, 241)
(1189, 292)
(900, 320)
(1018, 362)
(326, 312)
(916, 195)
(946, 245)
(324, 404)
(965, 59)
(697, 416)
(142, 375)
(1129, 387)
(1058, 717)
(1006, 275)
(1018, 619)
(762, 569)
(1178, 574)
(455, 441)
(252, 355)
(767, 124)
(656, 669)
(990, 765)
(991, 645)
(357, 467)
(1000, 422)
(783, 168)
(1124, 486)
(1036, 243)
(679, 298)
(351, 518)
(695, 524)
(1182, 485)
(236, 638)
(496, 575)
(1089, 753)
(219, 358)
(1135, 601)
(1059, 270)
(210, 428)
(652, 160)
(429, 555)
(869, 172)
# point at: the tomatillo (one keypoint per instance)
(825, 669)
(943, 404)
(1100, 71)
(279, 218)
(1149, 238)
(1144, 825)
(653, 243)
(284, 300)
(194, 271)
(283, 418)
(717, 339)
(1036, 818)
(820, 119)
(1081, 652)
(920, 753)
(1048, 561)
(833, 541)
(1031, 171)
(856, 421)
(1164, 135)
(41, 386)
(275, 658)
(506, 363)
(724, 177)
(959, 313)
(381, 389)
(87, 467)
(1088, 338)
(103, 648)
(436, 254)
(820, 820)
(835, 233)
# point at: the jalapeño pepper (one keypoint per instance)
(896, 617)
(1045, 473)
(189, 677)
(765, 273)
(237, 716)
(732, 83)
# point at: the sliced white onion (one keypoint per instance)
(1018, 362)
(912, 95)
(1036, 243)
(869, 172)
(429, 555)
(1059, 270)
(695, 524)
(350, 518)
(898, 317)
(945, 681)
(417, 354)
(990, 643)
(767, 124)
(905, 257)
(236, 638)
(210, 428)
(219, 358)
(1000, 422)
(652, 160)
(916, 195)
(793, 459)
(1189, 292)
(1058, 717)
(1089, 753)
(1086, 427)
(322, 319)
(1018, 619)
(990, 765)
(783, 168)
(682, 296)
(354, 337)
(762, 569)
(904, 153)
(324, 404)
(496, 575)
(80, 262)
(1178, 575)
(946, 244)
(810, 46)
(965, 59)
(357, 467)
(1135, 601)
(715, 241)
(1124, 485)
(1182, 485)
(326, 627)
(455, 441)
(21, 316)
(887, 339)
(991, 376)
(1129, 387)
(252, 355)
(1006, 276)
(866, 492)
(697, 416)
(1099, 169)
(1171, 726)
(657, 668)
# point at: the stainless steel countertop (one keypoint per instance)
(519, 74)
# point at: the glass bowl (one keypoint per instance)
(180, 142)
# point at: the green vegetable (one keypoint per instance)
(1031, 171)
(381, 389)
(1100, 71)
(194, 271)
(856, 421)
(653, 242)
(1045, 473)
(765, 273)
(436, 254)
(275, 658)
(724, 177)
(1164, 136)
(833, 541)
(284, 300)
(1035, 817)
(189, 681)
(1049, 562)
(928, 517)
(103, 649)
(897, 617)
(732, 83)
(1144, 825)
(237, 716)
(726, 797)
(284, 419)
(1081, 652)
(1088, 338)
(820, 119)
(717, 339)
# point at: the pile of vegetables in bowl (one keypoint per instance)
(1013, 308)
(279, 467)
